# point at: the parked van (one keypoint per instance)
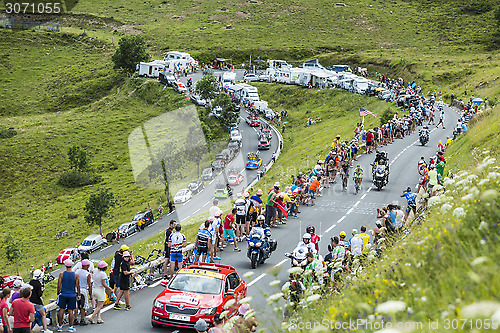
(260, 106)
(360, 85)
(151, 69)
(249, 92)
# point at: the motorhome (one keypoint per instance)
(360, 84)
(234, 91)
(228, 78)
(273, 66)
(260, 106)
(180, 60)
(312, 64)
(249, 92)
(152, 69)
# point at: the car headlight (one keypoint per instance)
(251, 243)
(159, 305)
(258, 244)
(208, 311)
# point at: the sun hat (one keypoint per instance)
(102, 264)
(68, 262)
(124, 247)
(27, 286)
(126, 254)
(277, 184)
(247, 194)
(17, 283)
(201, 325)
(259, 192)
(86, 262)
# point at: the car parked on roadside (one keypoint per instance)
(197, 100)
(218, 165)
(179, 87)
(250, 77)
(196, 186)
(234, 146)
(182, 195)
(127, 229)
(92, 243)
(207, 174)
(147, 215)
(236, 135)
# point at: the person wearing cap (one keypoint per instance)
(176, 242)
(433, 178)
(23, 311)
(85, 280)
(99, 288)
(356, 244)
(68, 291)
(245, 322)
(255, 208)
(16, 287)
(201, 326)
(124, 282)
(240, 205)
(78, 265)
(115, 266)
(36, 297)
(218, 321)
(168, 232)
(270, 212)
(343, 241)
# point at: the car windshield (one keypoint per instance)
(196, 284)
(235, 133)
(123, 226)
(193, 184)
(137, 217)
(206, 171)
(181, 192)
(87, 242)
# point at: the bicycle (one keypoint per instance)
(345, 175)
(357, 183)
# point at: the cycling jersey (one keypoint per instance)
(240, 205)
(358, 173)
(203, 238)
(339, 251)
(410, 198)
(177, 239)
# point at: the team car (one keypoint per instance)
(220, 193)
(253, 121)
(182, 195)
(196, 292)
(254, 161)
(263, 144)
(196, 186)
(265, 132)
(234, 177)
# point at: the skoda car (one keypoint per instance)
(196, 292)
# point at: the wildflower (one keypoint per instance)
(275, 270)
(479, 261)
(423, 299)
(274, 298)
(229, 303)
(313, 298)
(248, 275)
(391, 307)
(483, 226)
(246, 299)
(489, 195)
(480, 309)
(446, 207)
(471, 178)
(294, 270)
(433, 201)
(448, 181)
(468, 197)
(459, 212)
(493, 175)
(483, 181)
(274, 283)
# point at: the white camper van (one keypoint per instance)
(180, 60)
(249, 92)
(228, 78)
(260, 106)
(273, 66)
(360, 84)
(152, 69)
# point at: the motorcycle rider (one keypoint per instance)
(381, 159)
(306, 243)
(314, 238)
(262, 230)
(424, 132)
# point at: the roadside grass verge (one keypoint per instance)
(445, 269)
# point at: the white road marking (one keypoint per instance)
(211, 181)
(106, 247)
(206, 203)
(281, 262)
(357, 203)
(196, 211)
(109, 307)
(349, 211)
(331, 227)
(186, 202)
(256, 280)
(155, 284)
(362, 197)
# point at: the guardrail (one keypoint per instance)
(52, 307)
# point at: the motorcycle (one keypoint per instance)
(259, 248)
(229, 190)
(423, 137)
(298, 257)
(380, 176)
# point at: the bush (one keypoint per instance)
(74, 179)
(6, 133)
(387, 115)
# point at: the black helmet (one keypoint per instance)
(408, 189)
(310, 229)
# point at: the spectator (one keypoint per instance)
(99, 286)
(84, 277)
(124, 281)
(201, 326)
(245, 322)
(17, 284)
(168, 232)
(4, 309)
(68, 291)
(36, 297)
(23, 311)
(229, 229)
(115, 266)
(217, 325)
(78, 265)
(176, 242)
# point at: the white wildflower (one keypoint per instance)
(468, 197)
(482, 242)
(423, 299)
(433, 201)
(480, 309)
(471, 178)
(391, 307)
(483, 226)
(489, 195)
(294, 270)
(247, 299)
(274, 298)
(248, 275)
(479, 261)
(371, 317)
(444, 314)
(229, 303)
(459, 212)
(274, 283)
(462, 182)
(483, 181)
(494, 175)
(446, 207)
(313, 298)
(448, 181)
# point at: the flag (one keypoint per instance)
(364, 112)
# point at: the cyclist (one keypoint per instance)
(316, 266)
(357, 177)
(344, 173)
(314, 238)
(410, 200)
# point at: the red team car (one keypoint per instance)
(196, 292)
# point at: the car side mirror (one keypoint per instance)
(164, 283)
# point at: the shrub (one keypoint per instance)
(74, 179)
(387, 115)
(6, 133)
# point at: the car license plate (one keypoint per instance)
(180, 317)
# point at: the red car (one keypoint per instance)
(253, 121)
(69, 253)
(8, 281)
(196, 292)
(234, 178)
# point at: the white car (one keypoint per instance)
(92, 243)
(250, 77)
(269, 114)
(236, 135)
(182, 196)
(217, 111)
(179, 87)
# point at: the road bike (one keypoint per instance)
(345, 176)
(357, 183)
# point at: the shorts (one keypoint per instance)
(167, 250)
(83, 302)
(253, 217)
(270, 211)
(228, 233)
(65, 302)
(176, 256)
(311, 192)
(38, 307)
(99, 294)
(116, 278)
(412, 208)
(240, 219)
(124, 283)
(368, 143)
(202, 250)
(21, 330)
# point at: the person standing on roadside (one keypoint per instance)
(68, 291)
(36, 297)
(115, 266)
(99, 287)
(23, 311)
(15, 291)
(84, 277)
(270, 212)
(218, 325)
(168, 232)
(229, 229)
(176, 241)
(124, 281)
(4, 309)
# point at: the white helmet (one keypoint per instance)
(261, 218)
(306, 236)
(37, 274)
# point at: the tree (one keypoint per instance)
(13, 250)
(229, 114)
(131, 50)
(78, 159)
(206, 87)
(98, 207)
